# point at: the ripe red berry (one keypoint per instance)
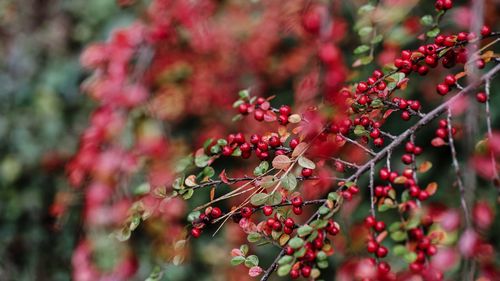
(362, 87)
(289, 223)
(431, 251)
(370, 221)
(287, 230)
(282, 119)
(294, 273)
(289, 250)
(195, 232)
(244, 147)
(481, 97)
(294, 143)
(384, 174)
(378, 142)
(383, 268)
(307, 172)
(371, 246)
(227, 150)
(267, 210)
(417, 150)
(254, 139)
(415, 105)
(441, 133)
(297, 210)
(246, 212)
(243, 108)
(416, 267)
(407, 159)
(285, 110)
(442, 89)
(270, 222)
(382, 252)
(423, 70)
(274, 141)
(485, 30)
(215, 213)
(277, 225)
(409, 147)
(375, 133)
(450, 80)
(306, 271)
(405, 115)
(353, 189)
(258, 115)
(423, 195)
(379, 226)
(297, 201)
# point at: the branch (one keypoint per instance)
(429, 117)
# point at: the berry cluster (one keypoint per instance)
(206, 218)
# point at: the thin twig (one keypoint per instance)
(490, 135)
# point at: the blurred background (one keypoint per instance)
(101, 100)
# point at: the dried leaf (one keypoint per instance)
(425, 166)
(281, 162)
(299, 149)
(431, 188)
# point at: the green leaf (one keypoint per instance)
(366, 60)
(215, 149)
(285, 260)
(207, 143)
(193, 216)
(395, 226)
(244, 94)
(410, 257)
(334, 196)
(304, 230)
(238, 103)
(399, 236)
(360, 130)
(377, 39)
(236, 152)
(300, 253)
(244, 249)
(188, 194)
(261, 169)
(237, 260)
(399, 250)
(259, 199)
(222, 142)
(201, 161)
(289, 182)
(253, 237)
(323, 210)
(322, 264)
(319, 223)
(365, 9)
(274, 198)
(142, 189)
(251, 261)
(296, 242)
(237, 117)
(433, 32)
(376, 103)
(208, 172)
(364, 31)
(321, 256)
(306, 163)
(405, 196)
(284, 269)
(361, 49)
(384, 207)
(426, 20)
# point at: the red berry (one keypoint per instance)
(289, 250)
(297, 201)
(423, 195)
(415, 105)
(287, 230)
(441, 133)
(407, 159)
(442, 89)
(245, 147)
(423, 70)
(246, 212)
(267, 210)
(485, 30)
(282, 119)
(294, 273)
(307, 172)
(362, 87)
(379, 226)
(306, 271)
(405, 115)
(378, 142)
(262, 146)
(289, 223)
(353, 189)
(409, 147)
(382, 252)
(370, 221)
(384, 174)
(277, 225)
(417, 150)
(254, 139)
(371, 246)
(431, 251)
(227, 150)
(243, 108)
(416, 267)
(481, 97)
(294, 143)
(216, 212)
(270, 222)
(375, 133)
(258, 115)
(383, 268)
(274, 141)
(450, 80)
(195, 232)
(297, 210)
(285, 110)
